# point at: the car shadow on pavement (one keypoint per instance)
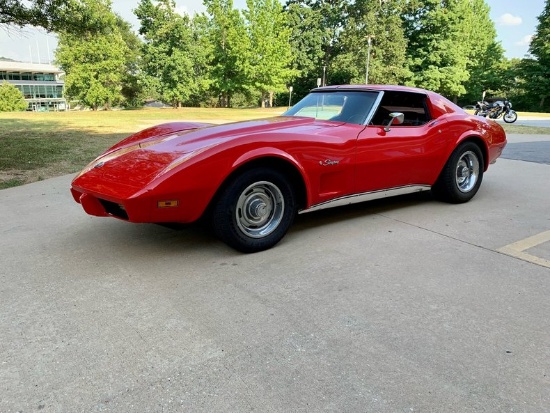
(159, 241)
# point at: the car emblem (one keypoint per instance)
(328, 162)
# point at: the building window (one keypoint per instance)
(44, 77)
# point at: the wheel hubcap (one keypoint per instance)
(467, 171)
(260, 209)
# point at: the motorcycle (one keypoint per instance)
(496, 109)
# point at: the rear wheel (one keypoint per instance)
(255, 210)
(462, 174)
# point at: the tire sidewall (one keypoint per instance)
(446, 187)
(511, 121)
(224, 218)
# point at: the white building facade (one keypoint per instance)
(40, 84)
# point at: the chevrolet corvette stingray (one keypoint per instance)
(338, 145)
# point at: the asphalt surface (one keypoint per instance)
(400, 305)
(533, 121)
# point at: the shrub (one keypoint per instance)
(11, 98)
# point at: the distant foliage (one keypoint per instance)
(270, 52)
(537, 68)
(95, 63)
(173, 57)
(11, 98)
(230, 57)
(53, 15)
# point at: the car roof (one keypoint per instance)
(439, 103)
(376, 88)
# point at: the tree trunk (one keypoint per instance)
(270, 99)
(224, 100)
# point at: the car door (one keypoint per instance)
(406, 154)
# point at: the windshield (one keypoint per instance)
(340, 106)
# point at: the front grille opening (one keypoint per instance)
(114, 209)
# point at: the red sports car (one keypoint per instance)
(338, 145)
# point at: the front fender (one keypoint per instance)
(257, 154)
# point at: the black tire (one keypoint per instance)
(254, 211)
(461, 176)
(510, 117)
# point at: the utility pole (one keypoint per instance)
(369, 41)
(290, 88)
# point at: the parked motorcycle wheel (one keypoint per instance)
(510, 117)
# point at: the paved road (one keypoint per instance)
(392, 306)
(533, 121)
(531, 148)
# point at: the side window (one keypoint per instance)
(412, 105)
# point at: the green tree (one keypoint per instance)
(53, 15)
(94, 63)
(306, 42)
(387, 60)
(132, 89)
(438, 50)
(487, 67)
(537, 69)
(270, 53)
(315, 40)
(231, 63)
(173, 58)
(11, 98)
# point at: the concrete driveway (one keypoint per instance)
(391, 306)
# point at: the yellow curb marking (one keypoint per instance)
(517, 249)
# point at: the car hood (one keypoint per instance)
(140, 158)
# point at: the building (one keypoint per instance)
(40, 84)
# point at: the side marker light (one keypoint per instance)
(168, 204)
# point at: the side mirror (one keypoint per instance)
(397, 118)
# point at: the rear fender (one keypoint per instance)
(479, 142)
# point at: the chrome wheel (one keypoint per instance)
(461, 176)
(467, 171)
(260, 209)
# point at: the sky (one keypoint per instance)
(515, 22)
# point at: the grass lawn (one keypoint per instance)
(36, 146)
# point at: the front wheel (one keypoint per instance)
(255, 210)
(461, 176)
(511, 116)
